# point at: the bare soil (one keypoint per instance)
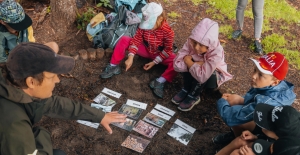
(77, 139)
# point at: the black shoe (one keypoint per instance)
(157, 88)
(189, 102)
(179, 96)
(258, 47)
(224, 139)
(110, 71)
(236, 34)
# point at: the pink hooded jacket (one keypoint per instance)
(206, 33)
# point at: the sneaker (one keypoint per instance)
(224, 139)
(236, 34)
(157, 88)
(110, 71)
(188, 103)
(258, 47)
(179, 97)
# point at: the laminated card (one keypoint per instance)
(135, 143)
(181, 132)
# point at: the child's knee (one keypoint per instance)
(53, 46)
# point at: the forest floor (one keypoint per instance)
(77, 139)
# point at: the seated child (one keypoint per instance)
(201, 62)
(15, 27)
(276, 123)
(268, 87)
(153, 40)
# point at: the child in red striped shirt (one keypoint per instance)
(153, 40)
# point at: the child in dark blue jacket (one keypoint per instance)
(268, 87)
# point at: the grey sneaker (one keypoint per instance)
(188, 103)
(258, 47)
(110, 71)
(157, 88)
(179, 97)
(236, 34)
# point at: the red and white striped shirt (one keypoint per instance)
(161, 37)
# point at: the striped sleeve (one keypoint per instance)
(136, 41)
(168, 41)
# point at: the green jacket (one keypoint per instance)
(19, 112)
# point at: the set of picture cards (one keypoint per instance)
(181, 132)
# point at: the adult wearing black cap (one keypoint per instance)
(34, 69)
(15, 27)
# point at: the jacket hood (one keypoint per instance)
(11, 93)
(206, 33)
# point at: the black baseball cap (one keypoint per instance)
(28, 59)
(283, 120)
(283, 146)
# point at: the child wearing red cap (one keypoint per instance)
(268, 87)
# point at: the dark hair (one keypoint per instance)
(19, 83)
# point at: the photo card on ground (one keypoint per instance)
(135, 143)
(87, 123)
(154, 119)
(130, 111)
(145, 129)
(181, 132)
(104, 101)
(128, 125)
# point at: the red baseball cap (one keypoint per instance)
(273, 64)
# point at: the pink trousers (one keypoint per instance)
(120, 53)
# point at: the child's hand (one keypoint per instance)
(233, 99)
(247, 135)
(187, 58)
(128, 62)
(110, 118)
(149, 65)
(245, 150)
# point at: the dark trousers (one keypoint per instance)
(194, 88)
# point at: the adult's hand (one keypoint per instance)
(128, 62)
(149, 65)
(233, 99)
(112, 117)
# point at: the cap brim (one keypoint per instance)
(256, 62)
(261, 147)
(62, 65)
(262, 114)
(24, 24)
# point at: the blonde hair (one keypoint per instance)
(160, 19)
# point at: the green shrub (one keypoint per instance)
(83, 19)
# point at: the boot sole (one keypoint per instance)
(197, 102)
(177, 103)
(110, 76)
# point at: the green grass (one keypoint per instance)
(226, 30)
(173, 15)
(197, 2)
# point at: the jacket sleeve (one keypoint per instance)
(179, 64)
(136, 41)
(237, 114)
(167, 42)
(202, 72)
(61, 107)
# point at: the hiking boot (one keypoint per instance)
(236, 34)
(157, 88)
(110, 71)
(188, 103)
(258, 47)
(179, 97)
(223, 139)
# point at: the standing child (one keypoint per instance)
(153, 40)
(268, 87)
(201, 61)
(15, 27)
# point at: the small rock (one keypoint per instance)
(100, 53)
(83, 54)
(91, 53)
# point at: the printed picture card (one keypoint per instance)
(145, 129)
(164, 109)
(160, 114)
(130, 111)
(87, 123)
(181, 132)
(154, 119)
(111, 93)
(135, 143)
(104, 109)
(128, 125)
(136, 104)
(104, 102)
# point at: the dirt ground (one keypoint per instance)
(77, 139)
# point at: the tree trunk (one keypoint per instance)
(63, 16)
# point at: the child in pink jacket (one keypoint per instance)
(201, 62)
